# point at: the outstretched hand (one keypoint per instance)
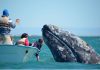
(17, 21)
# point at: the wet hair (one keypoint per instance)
(24, 35)
(40, 40)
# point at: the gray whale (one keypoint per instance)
(67, 47)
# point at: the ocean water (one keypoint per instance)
(47, 61)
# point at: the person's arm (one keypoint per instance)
(26, 42)
(11, 24)
(35, 44)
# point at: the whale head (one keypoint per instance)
(61, 52)
(67, 47)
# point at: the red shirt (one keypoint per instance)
(26, 42)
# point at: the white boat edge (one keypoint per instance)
(16, 54)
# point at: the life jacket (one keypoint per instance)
(4, 21)
(4, 25)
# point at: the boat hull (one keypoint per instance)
(16, 54)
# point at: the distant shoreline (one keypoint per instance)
(41, 36)
(29, 35)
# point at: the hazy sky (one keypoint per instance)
(81, 17)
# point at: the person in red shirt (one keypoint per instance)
(24, 40)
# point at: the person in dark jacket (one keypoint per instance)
(38, 44)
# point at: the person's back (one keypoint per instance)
(5, 27)
(4, 20)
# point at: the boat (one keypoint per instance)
(16, 54)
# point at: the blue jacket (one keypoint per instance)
(5, 29)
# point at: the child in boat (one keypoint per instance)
(24, 40)
(38, 44)
(5, 27)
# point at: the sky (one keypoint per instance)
(81, 17)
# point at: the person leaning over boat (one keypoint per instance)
(5, 27)
(38, 44)
(24, 40)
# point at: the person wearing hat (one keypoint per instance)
(5, 27)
